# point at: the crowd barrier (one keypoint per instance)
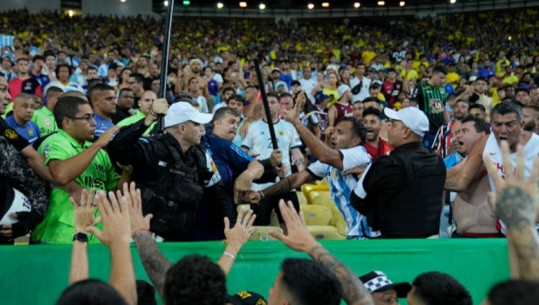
(38, 274)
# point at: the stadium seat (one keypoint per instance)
(301, 198)
(317, 215)
(243, 207)
(262, 233)
(324, 198)
(324, 232)
(307, 188)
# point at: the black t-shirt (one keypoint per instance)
(12, 136)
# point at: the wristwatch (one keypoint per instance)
(82, 237)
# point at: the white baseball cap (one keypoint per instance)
(412, 117)
(182, 112)
(342, 90)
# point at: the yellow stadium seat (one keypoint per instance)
(274, 220)
(262, 233)
(242, 207)
(307, 188)
(317, 215)
(301, 198)
(324, 198)
(324, 232)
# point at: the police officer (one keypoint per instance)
(23, 195)
(401, 194)
(172, 170)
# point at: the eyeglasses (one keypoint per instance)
(88, 118)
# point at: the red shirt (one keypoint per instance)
(383, 149)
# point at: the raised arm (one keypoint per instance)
(458, 180)
(65, 171)
(154, 262)
(516, 204)
(236, 237)
(299, 239)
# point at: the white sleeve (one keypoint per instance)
(296, 140)
(318, 168)
(213, 168)
(359, 190)
(249, 137)
(354, 157)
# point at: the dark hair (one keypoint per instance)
(92, 67)
(478, 106)
(436, 288)
(195, 279)
(514, 292)
(235, 97)
(271, 94)
(53, 89)
(98, 89)
(22, 59)
(358, 129)
(222, 112)
(371, 99)
(38, 57)
(481, 78)
(533, 107)
(145, 293)
(57, 70)
(507, 107)
(184, 97)
(227, 88)
(124, 90)
(310, 283)
(372, 111)
(49, 53)
(139, 78)
(439, 69)
(67, 106)
(90, 292)
(480, 125)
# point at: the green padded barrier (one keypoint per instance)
(37, 274)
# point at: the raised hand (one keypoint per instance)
(237, 236)
(115, 216)
(298, 237)
(84, 211)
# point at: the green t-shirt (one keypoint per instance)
(58, 224)
(135, 118)
(44, 118)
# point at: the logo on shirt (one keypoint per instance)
(11, 134)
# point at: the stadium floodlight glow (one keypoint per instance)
(165, 3)
(70, 13)
(357, 4)
(325, 4)
(186, 2)
(123, 0)
(262, 6)
(243, 4)
(220, 5)
(381, 3)
(452, 1)
(402, 3)
(310, 6)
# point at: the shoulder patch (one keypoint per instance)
(11, 134)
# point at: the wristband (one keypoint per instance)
(232, 256)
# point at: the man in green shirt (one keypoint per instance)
(43, 117)
(71, 157)
(145, 106)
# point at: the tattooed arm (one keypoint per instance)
(299, 239)
(154, 262)
(516, 205)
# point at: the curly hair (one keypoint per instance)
(195, 279)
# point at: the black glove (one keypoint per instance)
(26, 221)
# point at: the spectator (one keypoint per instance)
(124, 105)
(374, 144)
(382, 289)
(63, 74)
(436, 288)
(531, 118)
(103, 102)
(21, 120)
(24, 83)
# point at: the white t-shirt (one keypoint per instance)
(308, 85)
(531, 151)
(364, 92)
(258, 140)
(201, 100)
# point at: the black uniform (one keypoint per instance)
(404, 193)
(16, 173)
(173, 183)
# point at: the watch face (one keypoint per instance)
(82, 237)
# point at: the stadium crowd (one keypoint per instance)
(398, 120)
